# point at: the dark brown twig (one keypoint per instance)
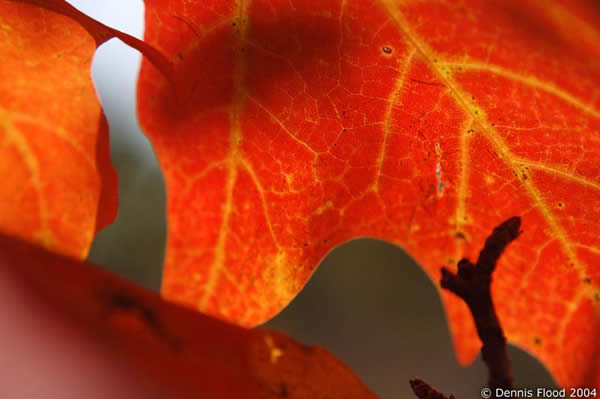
(472, 283)
(425, 391)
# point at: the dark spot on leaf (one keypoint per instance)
(386, 49)
(127, 303)
(537, 340)
(283, 391)
(130, 304)
(560, 205)
(306, 244)
(306, 349)
(180, 56)
(123, 301)
(587, 280)
(460, 235)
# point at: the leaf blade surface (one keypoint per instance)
(61, 187)
(106, 337)
(295, 127)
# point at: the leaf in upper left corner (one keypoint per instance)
(58, 186)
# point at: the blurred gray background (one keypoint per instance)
(368, 302)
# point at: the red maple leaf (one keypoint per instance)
(292, 127)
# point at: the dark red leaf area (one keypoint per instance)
(70, 330)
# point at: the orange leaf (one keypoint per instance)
(63, 188)
(113, 339)
(294, 126)
(59, 186)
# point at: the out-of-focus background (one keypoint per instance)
(368, 302)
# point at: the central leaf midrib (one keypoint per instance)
(233, 160)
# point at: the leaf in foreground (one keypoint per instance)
(85, 333)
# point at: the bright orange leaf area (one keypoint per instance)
(125, 342)
(298, 125)
(54, 158)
